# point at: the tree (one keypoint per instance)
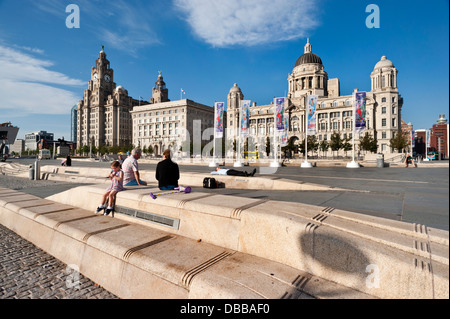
(346, 145)
(324, 146)
(368, 143)
(150, 150)
(399, 141)
(336, 142)
(313, 144)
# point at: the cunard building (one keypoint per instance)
(334, 111)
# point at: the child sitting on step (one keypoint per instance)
(116, 177)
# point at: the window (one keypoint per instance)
(383, 100)
(335, 103)
(348, 103)
(393, 122)
(335, 125)
(347, 113)
(383, 122)
(383, 134)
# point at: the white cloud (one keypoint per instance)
(26, 85)
(225, 23)
(119, 24)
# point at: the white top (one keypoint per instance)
(129, 166)
(222, 171)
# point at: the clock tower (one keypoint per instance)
(103, 116)
(101, 84)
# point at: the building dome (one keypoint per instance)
(384, 63)
(308, 57)
(235, 88)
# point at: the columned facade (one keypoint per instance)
(334, 112)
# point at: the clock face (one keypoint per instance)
(95, 76)
(107, 78)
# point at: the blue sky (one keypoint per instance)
(205, 46)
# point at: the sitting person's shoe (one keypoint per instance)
(108, 210)
(253, 172)
(99, 209)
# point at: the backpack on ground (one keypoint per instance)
(209, 182)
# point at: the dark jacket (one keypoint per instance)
(167, 173)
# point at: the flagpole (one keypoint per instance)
(275, 162)
(213, 163)
(306, 164)
(353, 164)
(238, 159)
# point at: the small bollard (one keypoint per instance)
(380, 160)
(31, 172)
(37, 170)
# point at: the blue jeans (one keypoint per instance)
(167, 188)
(132, 183)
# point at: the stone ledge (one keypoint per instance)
(135, 261)
(335, 245)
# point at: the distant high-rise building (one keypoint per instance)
(73, 123)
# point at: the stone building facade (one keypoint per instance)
(334, 111)
(166, 124)
(103, 115)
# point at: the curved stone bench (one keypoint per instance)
(380, 257)
(136, 261)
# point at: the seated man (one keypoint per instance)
(167, 173)
(130, 169)
(232, 172)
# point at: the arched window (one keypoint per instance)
(335, 103)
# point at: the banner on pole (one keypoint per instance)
(218, 121)
(428, 138)
(245, 114)
(285, 132)
(360, 111)
(413, 141)
(279, 113)
(311, 107)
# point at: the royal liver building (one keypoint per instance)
(334, 111)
